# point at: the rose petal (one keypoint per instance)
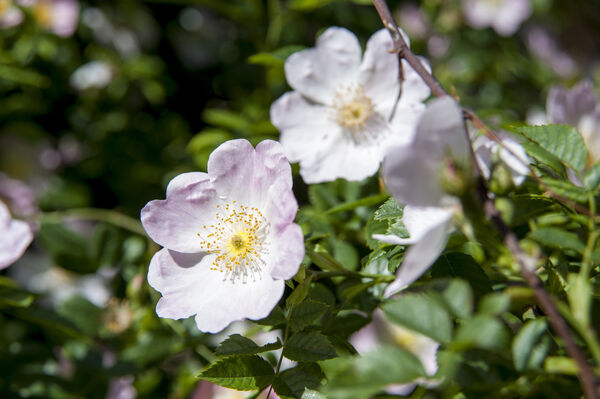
(420, 256)
(176, 222)
(319, 72)
(379, 72)
(289, 247)
(304, 126)
(16, 237)
(568, 106)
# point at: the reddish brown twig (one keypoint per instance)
(587, 377)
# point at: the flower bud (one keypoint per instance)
(455, 179)
(501, 181)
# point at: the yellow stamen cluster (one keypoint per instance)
(404, 338)
(42, 12)
(353, 108)
(237, 238)
(5, 6)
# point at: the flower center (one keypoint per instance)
(5, 6)
(238, 238)
(404, 338)
(353, 108)
(42, 12)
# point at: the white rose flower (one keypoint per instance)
(341, 116)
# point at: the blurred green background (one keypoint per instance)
(168, 82)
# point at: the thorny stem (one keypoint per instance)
(586, 376)
(285, 337)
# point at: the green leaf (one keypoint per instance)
(274, 318)
(346, 254)
(567, 189)
(375, 227)
(82, 313)
(391, 209)
(274, 58)
(307, 5)
(236, 344)
(459, 298)
(207, 140)
(494, 304)
(244, 373)
(527, 206)
(10, 296)
(293, 382)
(561, 365)
(482, 331)
(554, 237)
(325, 261)
(456, 264)
(420, 313)
(344, 325)
(528, 353)
(579, 295)
(591, 179)
(308, 347)
(67, 248)
(563, 141)
(225, 119)
(307, 313)
(299, 293)
(363, 376)
(544, 157)
(368, 201)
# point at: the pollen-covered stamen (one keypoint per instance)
(238, 238)
(5, 6)
(353, 108)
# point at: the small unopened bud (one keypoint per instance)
(501, 182)
(455, 180)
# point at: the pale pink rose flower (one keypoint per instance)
(58, 16)
(229, 237)
(547, 50)
(504, 16)
(10, 15)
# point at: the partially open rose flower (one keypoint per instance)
(413, 173)
(510, 153)
(343, 112)
(229, 236)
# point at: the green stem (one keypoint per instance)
(96, 214)
(586, 263)
(285, 337)
(381, 277)
(588, 335)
